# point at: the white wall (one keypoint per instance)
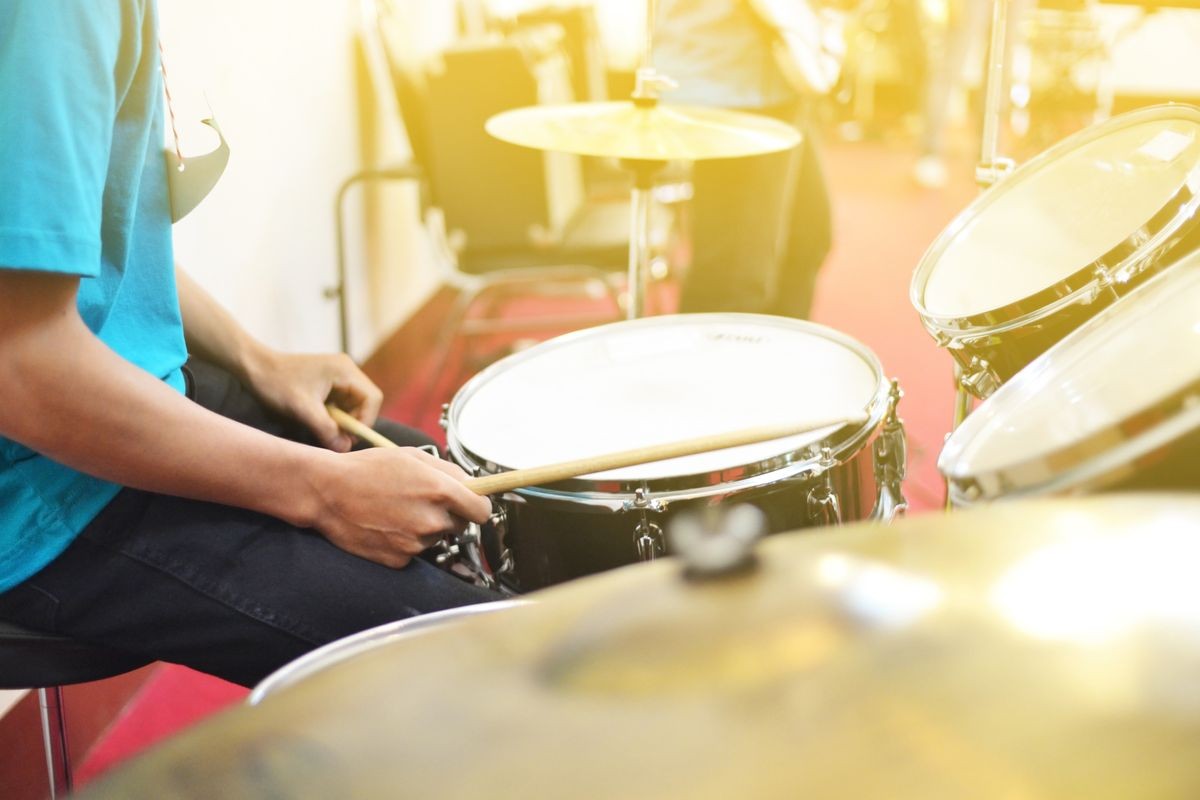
(280, 76)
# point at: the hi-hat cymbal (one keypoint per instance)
(653, 133)
(1045, 649)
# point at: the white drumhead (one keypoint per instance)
(1141, 350)
(658, 380)
(1045, 223)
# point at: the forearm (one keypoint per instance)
(212, 333)
(65, 394)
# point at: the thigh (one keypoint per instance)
(220, 589)
(223, 590)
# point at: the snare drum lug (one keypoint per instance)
(444, 417)
(824, 508)
(648, 539)
(643, 502)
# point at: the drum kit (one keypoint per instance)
(1041, 648)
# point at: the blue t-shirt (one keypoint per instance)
(83, 191)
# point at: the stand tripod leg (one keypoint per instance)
(962, 407)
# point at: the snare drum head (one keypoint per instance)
(1117, 377)
(659, 380)
(1112, 194)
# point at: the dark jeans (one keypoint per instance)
(223, 590)
(761, 227)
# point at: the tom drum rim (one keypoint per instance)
(1089, 458)
(1132, 255)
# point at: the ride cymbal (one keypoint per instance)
(1042, 649)
(658, 132)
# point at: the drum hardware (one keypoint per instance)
(717, 542)
(891, 460)
(979, 379)
(992, 166)
(642, 502)
(648, 538)
(823, 505)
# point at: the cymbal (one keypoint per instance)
(1041, 649)
(659, 132)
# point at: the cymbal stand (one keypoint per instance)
(992, 166)
(641, 197)
(647, 87)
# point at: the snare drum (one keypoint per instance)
(659, 380)
(1116, 404)
(1058, 240)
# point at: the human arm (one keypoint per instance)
(295, 385)
(810, 48)
(65, 394)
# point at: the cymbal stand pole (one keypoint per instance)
(648, 41)
(992, 166)
(639, 235)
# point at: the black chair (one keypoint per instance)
(46, 662)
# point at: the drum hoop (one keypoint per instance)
(613, 492)
(347, 647)
(1139, 251)
(1086, 460)
(1094, 469)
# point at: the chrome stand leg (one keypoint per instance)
(54, 741)
(962, 407)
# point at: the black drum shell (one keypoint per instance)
(554, 540)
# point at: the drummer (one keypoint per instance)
(200, 510)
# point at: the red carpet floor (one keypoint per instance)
(883, 224)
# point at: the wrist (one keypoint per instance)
(305, 504)
(253, 361)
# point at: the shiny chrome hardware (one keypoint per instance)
(648, 538)
(891, 460)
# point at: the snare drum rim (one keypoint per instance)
(1084, 463)
(1138, 252)
(614, 494)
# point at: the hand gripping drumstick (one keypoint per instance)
(536, 476)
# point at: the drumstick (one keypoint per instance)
(535, 476)
(363, 431)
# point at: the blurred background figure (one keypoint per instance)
(966, 31)
(760, 227)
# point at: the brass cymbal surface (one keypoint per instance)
(1022, 650)
(658, 132)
